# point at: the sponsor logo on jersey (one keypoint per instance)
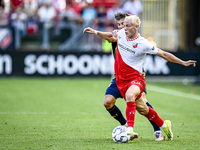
(126, 48)
(153, 48)
(135, 45)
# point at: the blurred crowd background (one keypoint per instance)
(57, 25)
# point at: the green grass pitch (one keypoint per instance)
(68, 114)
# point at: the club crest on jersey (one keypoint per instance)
(153, 48)
(135, 45)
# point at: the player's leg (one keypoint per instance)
(154, 117)
(109, 104)
(157, 131)
(112, 93)
(155, 126)
(143, 109)
(131, 94)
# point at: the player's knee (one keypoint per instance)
(108, 105)
(130, 96)
(109, 102)
(144, 97)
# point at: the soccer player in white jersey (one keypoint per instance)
(131, 51)
(130, 80)
(112, 92)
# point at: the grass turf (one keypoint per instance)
(69, 114)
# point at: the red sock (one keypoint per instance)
(153, 116)
(130, 113)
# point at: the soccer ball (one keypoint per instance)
(119, 134)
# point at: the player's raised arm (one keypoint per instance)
(105, 35)
(171, 58)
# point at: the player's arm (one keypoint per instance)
(171, 58)
(105, 35)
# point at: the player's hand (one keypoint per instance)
(88, 30)
(114, 33)
(190, 62)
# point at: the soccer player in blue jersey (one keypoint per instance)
(112, 92)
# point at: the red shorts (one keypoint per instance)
(124, 85)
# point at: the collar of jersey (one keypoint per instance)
(134, 38)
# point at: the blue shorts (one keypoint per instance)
(114, 91)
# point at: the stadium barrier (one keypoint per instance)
(81, 64)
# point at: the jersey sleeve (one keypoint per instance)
(150, 48)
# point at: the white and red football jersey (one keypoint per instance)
(133, 51)
(129, 61)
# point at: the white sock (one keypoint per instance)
(158, 131)
(130, 128)
(163, 126)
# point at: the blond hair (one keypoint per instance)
(134, 19)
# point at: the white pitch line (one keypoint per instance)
(172, 92)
